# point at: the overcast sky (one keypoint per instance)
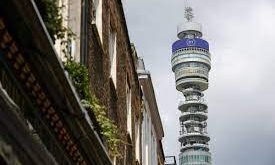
(241, 96)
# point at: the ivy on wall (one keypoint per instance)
(80, 78)
(52, 17)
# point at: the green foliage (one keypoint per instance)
(79, 76)
(52, 17)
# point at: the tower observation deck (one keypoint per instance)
(191, 65)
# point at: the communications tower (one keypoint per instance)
(191, 65)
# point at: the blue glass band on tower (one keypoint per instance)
(190, 42)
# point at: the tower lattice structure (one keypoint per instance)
(191, 63)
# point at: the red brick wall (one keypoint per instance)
(99, 72)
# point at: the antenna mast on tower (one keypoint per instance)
(188, 14)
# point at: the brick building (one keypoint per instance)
(39, 105)
(112, 71)
(102, 43)
(42, 120)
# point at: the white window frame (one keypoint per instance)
(137, 134)
(98, 16)
(129, 108)
(113, 56)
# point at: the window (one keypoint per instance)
(144, 135)
(112, 55)
(71, 48)
(129, 109)
(197, 129)
(137, 134)
(97, 12)
(114, 161)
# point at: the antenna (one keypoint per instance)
(189, 15)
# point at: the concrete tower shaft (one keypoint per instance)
(191, 63)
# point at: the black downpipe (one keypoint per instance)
(84, 32)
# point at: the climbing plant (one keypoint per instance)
(52, 17)
(79, 76)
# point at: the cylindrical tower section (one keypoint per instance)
(191, 58)
(189, 30)
(191, 63)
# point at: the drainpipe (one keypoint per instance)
(84, 32)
